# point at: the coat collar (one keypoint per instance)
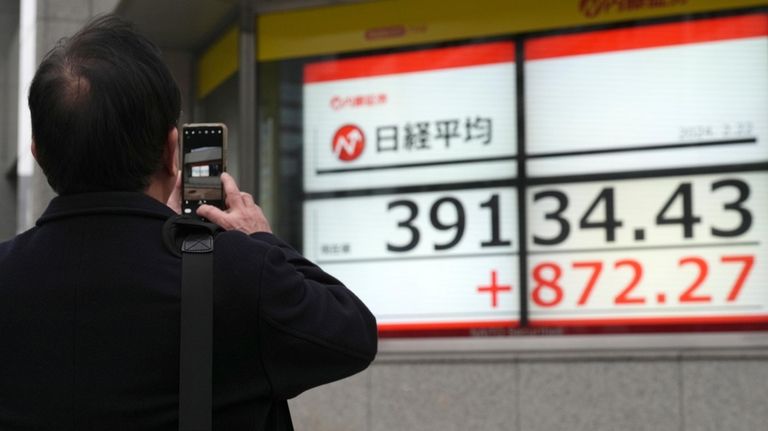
(129, 203)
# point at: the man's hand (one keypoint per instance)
(242, 212)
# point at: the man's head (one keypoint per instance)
(104, 110)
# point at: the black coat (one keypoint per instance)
(89, 323)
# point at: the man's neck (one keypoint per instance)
(159, 189)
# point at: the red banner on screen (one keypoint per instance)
(651, 36)
(407, 62)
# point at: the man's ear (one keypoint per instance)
(34, 150)
(171, 154)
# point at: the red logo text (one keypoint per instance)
(594, 8)
(341, 102)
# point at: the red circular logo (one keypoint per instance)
(348, 142)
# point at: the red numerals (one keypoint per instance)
(548, 291)
(546, 276)
(690, 294)
(597, 268)
(637, 273)
(747, 263)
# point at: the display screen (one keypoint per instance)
(611, 178)
(203, 162)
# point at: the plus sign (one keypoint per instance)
(494, 289)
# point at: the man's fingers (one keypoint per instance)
(242, 213)
(212, 213)
(247, 198)
(231, 191)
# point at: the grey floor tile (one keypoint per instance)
(727, 395)
(597, 396)
(339, 406)
(444, 397)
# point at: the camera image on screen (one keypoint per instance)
(202, 168)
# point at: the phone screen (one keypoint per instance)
(203, 160)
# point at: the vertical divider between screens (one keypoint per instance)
(521, 180)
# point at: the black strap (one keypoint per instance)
(196, 347)
(196, 351)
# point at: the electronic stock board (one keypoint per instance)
(606, 178)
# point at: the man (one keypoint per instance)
(89, 297)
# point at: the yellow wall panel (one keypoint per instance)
(389, 23)
(218, 63)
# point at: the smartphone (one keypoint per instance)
(203, 159)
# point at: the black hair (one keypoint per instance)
(102, 105)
